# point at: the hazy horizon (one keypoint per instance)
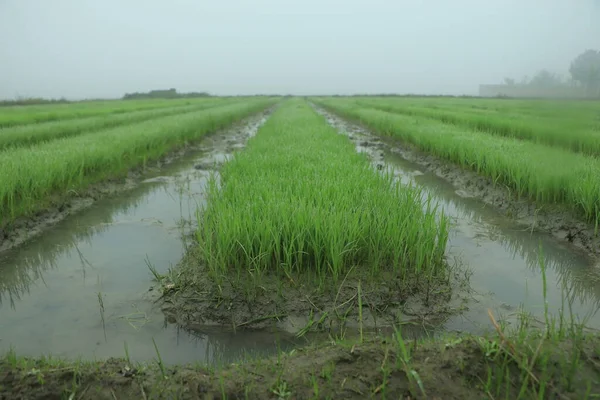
(88, 49)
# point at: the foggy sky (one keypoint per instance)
(104, 48)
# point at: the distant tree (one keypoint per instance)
(26, 101)
(509, 81)
(164, 94)
(585, 69)
(545, 78)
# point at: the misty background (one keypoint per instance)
(101, 49)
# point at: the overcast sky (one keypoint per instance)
(104, 48)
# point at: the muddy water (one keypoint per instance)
(49, 288)
(504, 260)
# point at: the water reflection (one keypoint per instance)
(25, 265)
(507, 258)
(82, 287)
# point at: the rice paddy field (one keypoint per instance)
(49, 159)
(303, 248)
(550, 158)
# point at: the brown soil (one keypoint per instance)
(452, 369)
(61, 206)
(193, 299)
(556, 220)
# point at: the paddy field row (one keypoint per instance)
(299, 224)
(300, 199)
(516, 153)
(30, 134)
(32, 114)
(46, 162)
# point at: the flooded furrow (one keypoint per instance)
(81, 288)
(505, 262)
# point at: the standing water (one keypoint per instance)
(507, 261)
(81, 288)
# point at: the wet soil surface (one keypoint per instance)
(376, 368)
(291, 304)
(552, 219)
(60, 207)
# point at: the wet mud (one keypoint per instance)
(291, 304)
(555, 220)
(376, 368)
(61, 206)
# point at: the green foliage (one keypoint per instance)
(27, 135)
(30, 176)
(545, 174)
(539, 122)
(12, 116)
(300, 199)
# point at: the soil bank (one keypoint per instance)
(456, 368)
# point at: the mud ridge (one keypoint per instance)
(61, 206)
(193, 299)
(376, 368)
(555, 220)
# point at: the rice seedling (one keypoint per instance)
(300, 200)
(544, 174)
(567, 132)
(12, 116)
(579, 113)
(30, 177)
(159, 360)
(27, 135)
(102, 311)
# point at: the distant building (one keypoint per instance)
(529, 91)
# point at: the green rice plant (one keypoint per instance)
(31, 177)
(21, 115)
(27, 135)
(544, 174)
(578, 113)
(567, 132)
(159, 360)
(300, 200)
(403, 361)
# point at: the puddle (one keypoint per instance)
(504, 257)
(49, 287)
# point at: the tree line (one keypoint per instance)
(163, 94)
(584, 72)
